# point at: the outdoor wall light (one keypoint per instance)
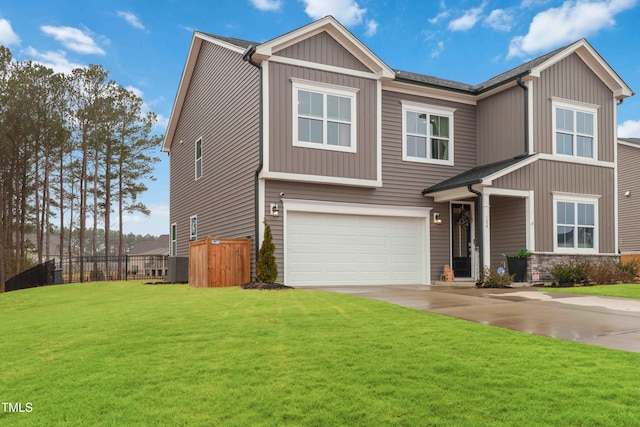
(437, 218)
(274, 209)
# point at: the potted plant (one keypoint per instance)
(517, 264)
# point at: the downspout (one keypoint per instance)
(480, 234)
(526, 117)
(247, 56)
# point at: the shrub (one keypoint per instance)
(266, 267)
(563, 272)
(491, 278)
(628, 271)
(604, 272)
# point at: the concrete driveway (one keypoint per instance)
(601, 321)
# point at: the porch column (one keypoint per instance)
(486, 231)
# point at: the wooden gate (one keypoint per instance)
(215, 263)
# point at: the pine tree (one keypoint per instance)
(266, 267)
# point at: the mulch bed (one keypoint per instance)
(265, 286)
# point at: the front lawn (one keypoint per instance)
(621, 291)
(122, 354)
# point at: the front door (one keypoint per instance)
(461, 224)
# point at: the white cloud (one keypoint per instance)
(137, 92)
(7, 36)
(161, 120)
(372, 28)
(437, 50)
(156, 224)
(468, 20)
(267, 5)
(439, 17)
(74, 39)
(533, 3)
(56, 60)
(567, 23)
(131, 19)
(499, 20)
(629, 129)
(346, 11)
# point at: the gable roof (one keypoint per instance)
(480, 174)
(630, 141)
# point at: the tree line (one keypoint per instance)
(74, 148)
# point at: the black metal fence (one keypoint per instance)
(112, 268)
(40, 275)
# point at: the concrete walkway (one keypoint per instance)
(601, 321)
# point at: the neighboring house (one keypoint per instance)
(629, 195)
(370, 175)
(148, 258)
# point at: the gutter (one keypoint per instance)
(480, 229)
(247, 56)
(526, 117)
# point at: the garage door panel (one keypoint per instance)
(330, 249)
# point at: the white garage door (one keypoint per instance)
(338, 249)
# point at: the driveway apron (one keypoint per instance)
(600, 321)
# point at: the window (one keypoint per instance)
(324, 116)
(193, 227)
(174, 240)
(574, 129)
(427, 133)
(198, 159)
(576, 221)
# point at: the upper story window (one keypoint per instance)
(576, 223)
(198, 159)
(193, 227)
(324, 116)
(173, 249)
(427, 133)
(575, 129)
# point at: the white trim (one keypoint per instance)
(261, 211)
(492, 191)
(325, 89)
(266, 114)
(488, 180)
(435, 93)
(532, 140)
(219, 42)
(529, 196)
(576, 253)
(323, 67)
(628, 144)
(409, 106)
(572, 159)
(193, 236)
(574, 106)
(195, 159)
(450, 194)
(559, 196)
(323, 179)
(616, 236)
(500, 88)
(340, 208)
(379, 131)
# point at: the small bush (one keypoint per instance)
(266, 267)
(491, 279)
(629, 271)
(604, 272)
(563, 272)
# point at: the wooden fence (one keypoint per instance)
(215, 263)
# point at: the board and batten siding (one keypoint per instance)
(222, 108)
(571, 79)
(403, 182)
(323, 49)
(545, 177)
(284, 157)
(501, 126)
(629, 206)
(508, 227)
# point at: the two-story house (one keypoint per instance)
(371, 175)
(629, 196)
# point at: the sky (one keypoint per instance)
(144, 44)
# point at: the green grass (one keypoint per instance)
(621, 291)
(122, 354)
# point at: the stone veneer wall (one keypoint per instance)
(543, 263)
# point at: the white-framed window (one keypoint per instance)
(427, 133)
(173, 248)
(575, 129)
(198, 159)
(575, 220)
(193, 227)
(324, 116)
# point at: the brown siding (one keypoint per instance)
(508, 227)
(571, 79)
(284, 157)
(222, 107)
(323, 49)
(403, 182)
(629, 206)
(501, 126)
(545, 176)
